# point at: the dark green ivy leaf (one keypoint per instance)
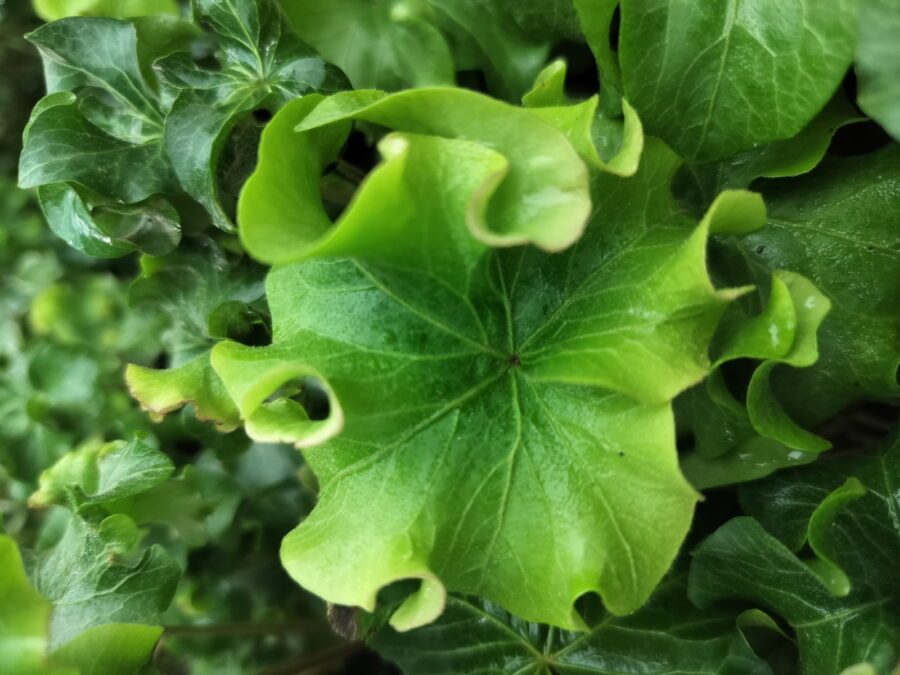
(107, 229)
(262, 66)
(404, 43)
(700, 183)
(377, 45)
(596, 20)
(842, 617)
(878, 62)
(92, 581)
(837, 226)
(668, 635)
(110, 649)
(544, 20)
(715, 78)
(94, 143)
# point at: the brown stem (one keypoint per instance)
(237, 629)
(310, 663)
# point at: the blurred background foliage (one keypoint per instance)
(66, 332)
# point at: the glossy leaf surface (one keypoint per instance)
(861, 537)
(262, 66)
(877, 59)
(721, 77)
(669, 633)
(460, 377)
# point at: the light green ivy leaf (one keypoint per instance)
(100, 473)
(532, 185)
(819, 536)
(120, 486)
(161, 392)
(209, 294)
(197, 504)
(51, 10)
(111, 649)
(590, 133)
(24, 615)
(484, 397)
(737, 440)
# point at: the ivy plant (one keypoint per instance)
(452, 336)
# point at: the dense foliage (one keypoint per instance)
(584, 316)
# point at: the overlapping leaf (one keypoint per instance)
(208, 296)
(668, 633)
(102, 473)
(108, 147)
(713, 79)
(738, 440)
(815, 229)
(402, 43)
(120, 649)
(262, 65)
(113, 648)
(844, 605)
(604, 143)
(877, 59)
(136, 481)
(90, 585)
(23, 617)
(387, 45)
(596, 18)
(477, 345)
(484, 397)
(699, 184)
(836, 227)
(105, 591)
(94, 143)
